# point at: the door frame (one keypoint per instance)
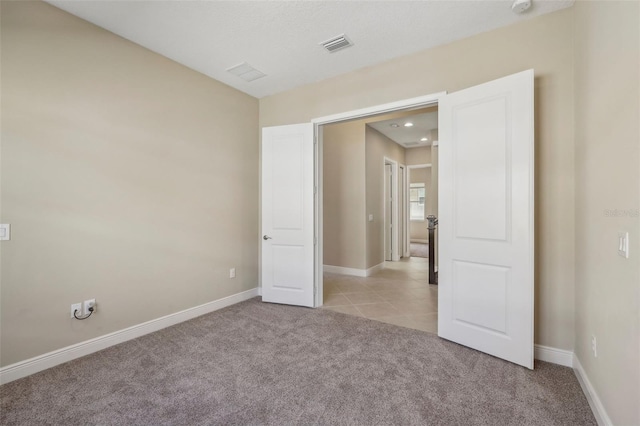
(395, 249)
(401, 105)
(402, 209)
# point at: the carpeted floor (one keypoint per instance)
(419, 250)
(257, 363)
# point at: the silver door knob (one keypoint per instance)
(266, 237)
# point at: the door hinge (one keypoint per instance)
(315, 189)
(315, 241)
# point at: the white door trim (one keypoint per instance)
(418, 102)
(402, 209)
(395, 250)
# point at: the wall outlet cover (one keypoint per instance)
(91, 303)
(76, 307)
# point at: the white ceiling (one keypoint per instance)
(281, 38)
(423, 124)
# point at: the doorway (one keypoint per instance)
(486, 207)
(396, 290)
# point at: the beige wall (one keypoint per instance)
(344, 211)
(125, 176)
(607, 106)
(378, 146)
(421, 155)
(345, 188)
(433, 207)
(545, 44)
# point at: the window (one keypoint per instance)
(416, 201)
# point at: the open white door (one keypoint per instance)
(486, 207)
(287, 214)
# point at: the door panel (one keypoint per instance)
(486, 170)
(287, 214)
(481, 170)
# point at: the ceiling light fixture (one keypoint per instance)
(408, 124)
(424, 139)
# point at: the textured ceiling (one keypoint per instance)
(281, 38)
(423, 124)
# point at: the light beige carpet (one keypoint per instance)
(264, 364)
(419, 250)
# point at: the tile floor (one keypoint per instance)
(399, 294)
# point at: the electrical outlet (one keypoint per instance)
(594, 346)
(232, 273)
(91, 303)
(76, 307)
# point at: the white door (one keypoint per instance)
(485, 295)
(287, 214)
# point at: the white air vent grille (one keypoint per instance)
(336, 43)
(246, 72)
(411, 143)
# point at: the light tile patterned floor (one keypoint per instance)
(399, 294)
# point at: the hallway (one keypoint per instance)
(399, 294)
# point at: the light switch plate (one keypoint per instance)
(623, 244)
(5, 232)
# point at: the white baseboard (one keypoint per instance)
(569, 359)
(345, 271)
(374, 269)
(416, 240)
(353, 271)
(592, 397)
(42, 362)
(553, 355)
(33, 365)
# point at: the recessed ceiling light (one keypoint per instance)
(408, 124)
(394, 125)
(424, 139)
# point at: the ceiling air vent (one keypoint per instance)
(246, 72)
(411, 143)
(336, 43)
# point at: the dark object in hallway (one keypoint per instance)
(433, 274)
